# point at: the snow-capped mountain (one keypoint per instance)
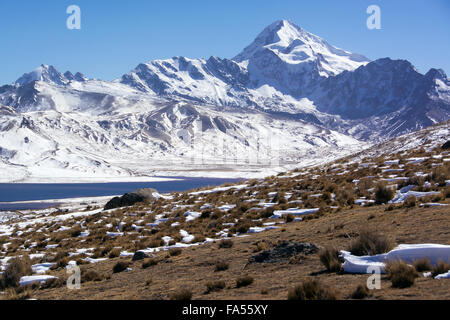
(290, 59)
(272, 73)
(288, 96)
(49, 74)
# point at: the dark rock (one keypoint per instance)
(126, 200)
(129, 199)
(139, 255)
(284, 251)
(446, 145)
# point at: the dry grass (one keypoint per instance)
(175, 252)
(440, 268)
(15, 294)
(410, 202)
(329, 256)
(221, 266)
(227, 243)
(120, 266)
(383, 194)
(149, 263)
(370, 243)
(181, 295)
(17, 268)
(361, 292)
(338, 228)
(91, 275)
(401, 274)
(215, 286)
(196, 265)
(312, 290)
(244, 281)
(422, 265)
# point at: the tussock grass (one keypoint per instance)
(361, 292)
(401, 274)
(17, 268)
(383, 194)
(175, 252)
(313, 290)
(14, 294)
(91, 276)
(371, 242)
(182, 295)
(329, 256)
(120, 266)
(221, 266)
(244, 281)
(215, 286)
(227, 243)
(149, 263)
(440, 268)
(422, 265)
(410, 202)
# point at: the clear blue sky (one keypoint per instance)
(117, 35)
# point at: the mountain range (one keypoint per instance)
(289, 96)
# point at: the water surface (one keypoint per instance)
(14, 192)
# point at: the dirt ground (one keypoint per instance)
(195, 266)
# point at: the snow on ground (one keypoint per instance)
(92, 260)
(191, 215)
(433, 204)
(260, 229)
(401, 197)
(405, 252)
(7, 229)
(27, 280)
(187, 238)
(238, 187)
(443, 276)
(296, 212)
(363, 202)
(41, 268)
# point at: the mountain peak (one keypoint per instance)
(45, 73)
(436, 74)
(294, 45)
(283, 31)
(49, 74)
(77, 77)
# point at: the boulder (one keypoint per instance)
(284, 251)
(446, 145)
(129, 199)
(140, 255)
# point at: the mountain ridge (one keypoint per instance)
(310, 94)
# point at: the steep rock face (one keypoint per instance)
(385, 98)
(381, 87)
